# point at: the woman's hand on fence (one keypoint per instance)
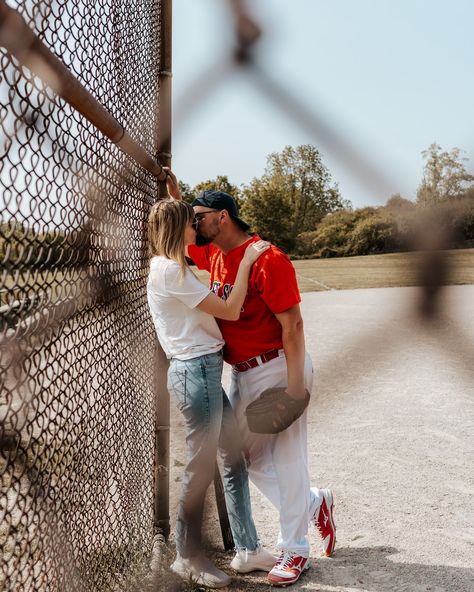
(172, 184)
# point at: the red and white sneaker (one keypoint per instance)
(287, 569)
(323, 520)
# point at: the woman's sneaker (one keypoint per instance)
(287, 569)
(323, 520)
(201, 571)
(258, 560)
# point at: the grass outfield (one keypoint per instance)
(343, 273)
(374, 271)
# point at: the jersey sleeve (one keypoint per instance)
(276, 282)
(188, 288)
(200, 256)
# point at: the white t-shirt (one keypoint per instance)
(183, 331)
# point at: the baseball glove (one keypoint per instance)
(274, 410)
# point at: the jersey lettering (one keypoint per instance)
(226, 290)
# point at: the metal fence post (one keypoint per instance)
(162, 424)
(162, 441)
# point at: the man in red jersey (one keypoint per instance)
(266, 348)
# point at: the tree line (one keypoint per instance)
(22, 247)
(296, 205)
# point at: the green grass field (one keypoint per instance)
(344, 273)
(374, 271)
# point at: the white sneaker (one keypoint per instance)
(201, 570)
(258, 560)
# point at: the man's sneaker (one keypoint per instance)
(201, 571)
(258, 560)
(324, 521)
(287, 569)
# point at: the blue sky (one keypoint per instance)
(390, 77)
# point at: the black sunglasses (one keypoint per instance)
(198, 217)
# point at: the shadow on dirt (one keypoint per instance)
(365, 569)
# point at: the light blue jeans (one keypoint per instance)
(195, 386)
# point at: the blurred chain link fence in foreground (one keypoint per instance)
(77, 407)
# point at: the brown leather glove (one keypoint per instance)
(274, 410)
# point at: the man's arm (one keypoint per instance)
(293, 343)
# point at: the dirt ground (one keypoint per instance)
(391, 431)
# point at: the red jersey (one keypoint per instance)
(272, 289)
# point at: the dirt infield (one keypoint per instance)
(391, 430)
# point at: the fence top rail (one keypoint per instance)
(23, 44)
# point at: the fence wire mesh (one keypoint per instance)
(77, 406)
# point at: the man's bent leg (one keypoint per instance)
(257, 448)
(250, 555)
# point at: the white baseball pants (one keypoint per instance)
(278, 463)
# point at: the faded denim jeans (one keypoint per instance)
(196, 387)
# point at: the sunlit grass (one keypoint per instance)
(374, 271)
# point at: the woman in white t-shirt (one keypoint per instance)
(183, 312)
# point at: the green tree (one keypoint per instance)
(372, 234)
(297, 184)
(220, 183)
(186, 192)
(397, 203)
(267, 210)
(457, 218)
(351, 232)
(22, 247)
(444, 176)
(400, 213)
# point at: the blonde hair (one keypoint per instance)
(166, 226)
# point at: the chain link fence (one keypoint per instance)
(77, 407)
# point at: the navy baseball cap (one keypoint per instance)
(219, 200)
